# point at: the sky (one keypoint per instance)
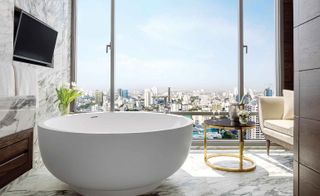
(184, 44)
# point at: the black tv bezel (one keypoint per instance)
(16, 33)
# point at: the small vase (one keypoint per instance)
(243, 121)
(234, 108)
(64, 109)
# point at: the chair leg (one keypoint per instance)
(268, 147)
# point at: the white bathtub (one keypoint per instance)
(125, 153)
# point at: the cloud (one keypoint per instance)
(183, 48)
(135, 72)
(181, 30)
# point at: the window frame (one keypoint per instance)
(241, 45)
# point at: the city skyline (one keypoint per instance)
(201, 101)
(181, 44)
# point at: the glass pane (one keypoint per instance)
(259, 35)
(189, 46)
(93, 34)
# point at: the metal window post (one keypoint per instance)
(240, 49)
(73, 59)
(112, 54)
(279, 46)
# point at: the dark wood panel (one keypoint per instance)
(296, 178)
(310, 94)
(305, 10)
(309, 151)
(309, 182)
(296, 139)
(296, 48)
(13, 150)
(11, 147)
(20, 166)
(288, 44)
(307, 45)
(307, 97)
(295, 13)
(12, 164)
(296, 93)
(13, 138)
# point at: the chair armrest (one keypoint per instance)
(270, 108)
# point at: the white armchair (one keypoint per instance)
(274, 126)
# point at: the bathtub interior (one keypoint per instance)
(116, 122)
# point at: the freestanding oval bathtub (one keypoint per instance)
(120, 153)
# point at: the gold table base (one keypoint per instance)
(228, 169)
(240, 156)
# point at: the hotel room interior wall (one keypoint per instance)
(57, 14)
(6, 49)
(19, 79)
(42, 80)
(307, 97)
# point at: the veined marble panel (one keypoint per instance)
(16, 114)
(6, 49)
(273, 176)
(56, 14)
(17, 102)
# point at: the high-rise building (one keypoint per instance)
(125, 94)
(154, 91)
(120, 92)
(147, 98)
(268, 92)
(99, 97)
(255, 133)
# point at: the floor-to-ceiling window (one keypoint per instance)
(93, 32)
(176, 56)
(259, 59)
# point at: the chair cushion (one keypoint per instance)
(280, 136)
(282, 126)
(288, 112)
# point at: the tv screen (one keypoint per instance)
(34, 41)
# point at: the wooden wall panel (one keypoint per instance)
(310, 93)
(309, 182)
(308, 45)
(306, 10)
(296, 93)
(288, 44)
(309, 151)
(16, 155)
(296, 179)
(307, 97)
(295, 139)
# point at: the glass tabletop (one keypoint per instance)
(228, 123)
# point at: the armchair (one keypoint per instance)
(274, 127)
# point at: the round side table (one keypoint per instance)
(229, 125)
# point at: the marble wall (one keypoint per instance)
(16, 114)
(57, 14)
(6, 48)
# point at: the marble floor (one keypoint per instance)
(273, 177)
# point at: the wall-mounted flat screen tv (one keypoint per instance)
(34, 41)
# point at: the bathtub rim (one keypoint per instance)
(49, 128)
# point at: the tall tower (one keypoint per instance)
(99, 97)
(147, 97)
(169, 95)
(268, 92)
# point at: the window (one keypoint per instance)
(259, 62)
(92, 62)
(177, 56)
